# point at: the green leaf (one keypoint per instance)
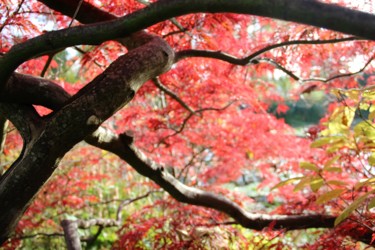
(309, 166)
(331, 161)
(350, 209)
(371, 159)
(302, 183)
(365, 128)
(286, 182)
(371, 204)
(368, 95)
(371, 116)
(364, 106)
(333, 169)
(320, 142)
(329, 196)
(348, 116)
(337, 183)
(329, 140)
(316, 184)
(364, 183)
(353, 94)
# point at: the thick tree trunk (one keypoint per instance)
(48, 139)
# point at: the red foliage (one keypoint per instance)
(230, 137)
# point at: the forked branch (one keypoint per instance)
(122, 146)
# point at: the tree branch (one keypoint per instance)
(309, 12)
(70, 227)
(247, 60)
(173, 95)
(252, 60)
(191, 115)
(122, 146)
(26, 89)
(340, 75)
(81, 116)
(71, 235)
(3, 134)
(118, 145)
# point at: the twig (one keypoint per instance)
(49, 60)
(129, 201)
(75, 13)
(174, 96)
(51, 55)
(173, 20)
(11, 15)
(72, 238)
(29, 236)
(186, 167)
(190, 115)
(175, 32)
(340, 75)
(278, 66)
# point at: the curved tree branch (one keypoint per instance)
(173, 95)
(248, 59)
(24, 117)
(79, 117)
(325, 80)
(251, 60)
(303, 11)
(26, 89)
(122, 146)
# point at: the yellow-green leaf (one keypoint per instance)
(329, 140)
(309, 166)
(333, 169)
(353, 94)
(316, 184)
(371, 204)
(329, 196)
(365, 128)
(364, 183)
(320, 142)
(286, 182)
(368, 95)
(331, 161)
(371, 159)
(302, 183)
(348, 116)
(371, 116)
(337, 183)
(364, 106)
(347, 211)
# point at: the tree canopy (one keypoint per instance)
(234, 122)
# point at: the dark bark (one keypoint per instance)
(53, 136)
(122, 146)
(24, 89)
(310, 12)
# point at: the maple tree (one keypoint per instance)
(181, 91)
